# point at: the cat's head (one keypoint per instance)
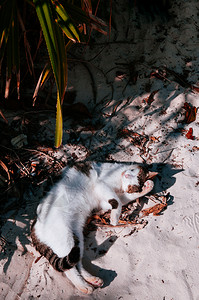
(133, 179)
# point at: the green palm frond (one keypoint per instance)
(61, 23)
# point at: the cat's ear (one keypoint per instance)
(151, 175)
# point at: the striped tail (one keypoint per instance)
(59, 263)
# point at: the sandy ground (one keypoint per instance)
(160, 261)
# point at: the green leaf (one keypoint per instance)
(59, 124)
(56, 49)
(47, 24)
(65, 22)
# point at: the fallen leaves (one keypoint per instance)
(189, 134)
(159, 74)
(4, 118)
(166, 74)
(103, 220)
(131, 216)
(20, 167)
(150, 98)
(190, 113)
(195, 88)
(5, 168)
(138, 140)
(157, 208)
(155, 139)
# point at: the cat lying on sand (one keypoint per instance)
(57, 232)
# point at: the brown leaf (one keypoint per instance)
(134, 137)
(97, 218)
(1, 114)
(5, 169)
(150, 99)
(189, 134)
(195, 88)
(155, 210)
(190, 113)
(154, 138)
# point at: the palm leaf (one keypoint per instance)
(84, 16)
(56, 49)
(44, 76)
(65, 22)
(44, 14)
(59, 124)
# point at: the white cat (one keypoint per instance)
(58, 231)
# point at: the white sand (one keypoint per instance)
(159, 261)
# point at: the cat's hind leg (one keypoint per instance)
(78, 281)
(94, 280)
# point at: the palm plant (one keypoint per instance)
(63, 23)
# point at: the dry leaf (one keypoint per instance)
(5, 169)
(150, 99)
(3, 117)
(195, 88)
(190, 113)
(96, 218)
(154, 138)
(189, 134)
(155, 210)
(135, 138)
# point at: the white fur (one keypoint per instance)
(65, 209)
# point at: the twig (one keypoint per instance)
(41, 152)
(3, 116)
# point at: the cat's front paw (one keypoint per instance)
(148, 186)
